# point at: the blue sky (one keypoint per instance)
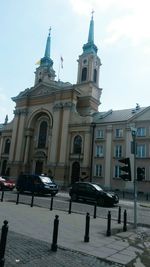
(122, 35)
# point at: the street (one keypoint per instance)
(61, 202)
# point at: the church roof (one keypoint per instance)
(111, 116)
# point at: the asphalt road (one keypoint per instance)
(61, 202)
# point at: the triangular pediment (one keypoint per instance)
(142, 115)
(42, 89)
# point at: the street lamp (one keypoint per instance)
(134, 133)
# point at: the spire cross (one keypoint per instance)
(92, 13)
(50, 30)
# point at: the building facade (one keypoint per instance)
(58, 130)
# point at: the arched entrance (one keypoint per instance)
(4, 165)
(75, 174)
(39, 167)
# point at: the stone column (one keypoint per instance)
(55, 133)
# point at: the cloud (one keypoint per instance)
(129, 19)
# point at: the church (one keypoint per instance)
(58, 130)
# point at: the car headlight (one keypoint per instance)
(109, 195)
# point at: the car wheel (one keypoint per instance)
(74, 197)
(101, 202)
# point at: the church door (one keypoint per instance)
(39, 167)
(75, 175)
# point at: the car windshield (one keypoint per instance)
(45, 179)
(98, 187)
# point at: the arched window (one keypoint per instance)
(95, 75)
(42, 135)
(84, 74)
(7, 146)
(77, 145)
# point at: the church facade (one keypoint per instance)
(58, 130)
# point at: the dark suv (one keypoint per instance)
(92, 192)
(37, 184)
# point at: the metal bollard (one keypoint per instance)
(55, 234)
(125, 221)
(3, 243)
(32, 200)
(108, 233)
(51, 206)
(95, 206)
(2, 196)
(119, 215)
(87, 227)
(17, 201)
(70, 205)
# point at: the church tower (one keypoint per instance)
(45, 72)
(88, 75)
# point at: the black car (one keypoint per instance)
(37, 184)
(92, 192)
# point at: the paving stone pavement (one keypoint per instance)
(23, 251)
(30, 235)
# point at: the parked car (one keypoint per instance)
(6, 183)
(37, 184)
(92, 192)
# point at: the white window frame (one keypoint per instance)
(118, 133)
(118, 151)
(99, 133)
(117, 171)
(141, 131)
(141, 150)
(98, 170)
(99, 151)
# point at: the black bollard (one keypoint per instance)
(2, 196)
(3, 243)
(108, 233)
(55, 234)
(87, 227)
(125, 221)
(51, 206)
(95, 206)
(32, 200)
(119, 215)
(70, 205)
(17, 201)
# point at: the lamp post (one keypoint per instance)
(134, 132)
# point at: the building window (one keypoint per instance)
(98, 170)
(141, 131)
(84, 74)
(99, 151)
(141, 151)
(119, 133)
(99, 133)
(7, 146)
(77, 145)
(42, 135)
(118, 151)
(95, 76)
(117, 171)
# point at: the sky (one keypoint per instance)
(121, 33)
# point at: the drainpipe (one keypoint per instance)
(93, 125)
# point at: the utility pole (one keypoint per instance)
(134, 132)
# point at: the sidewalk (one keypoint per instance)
(30, 237)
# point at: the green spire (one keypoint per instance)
(91, 30)
(90, 47)
(48, 43)
(46, 60)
